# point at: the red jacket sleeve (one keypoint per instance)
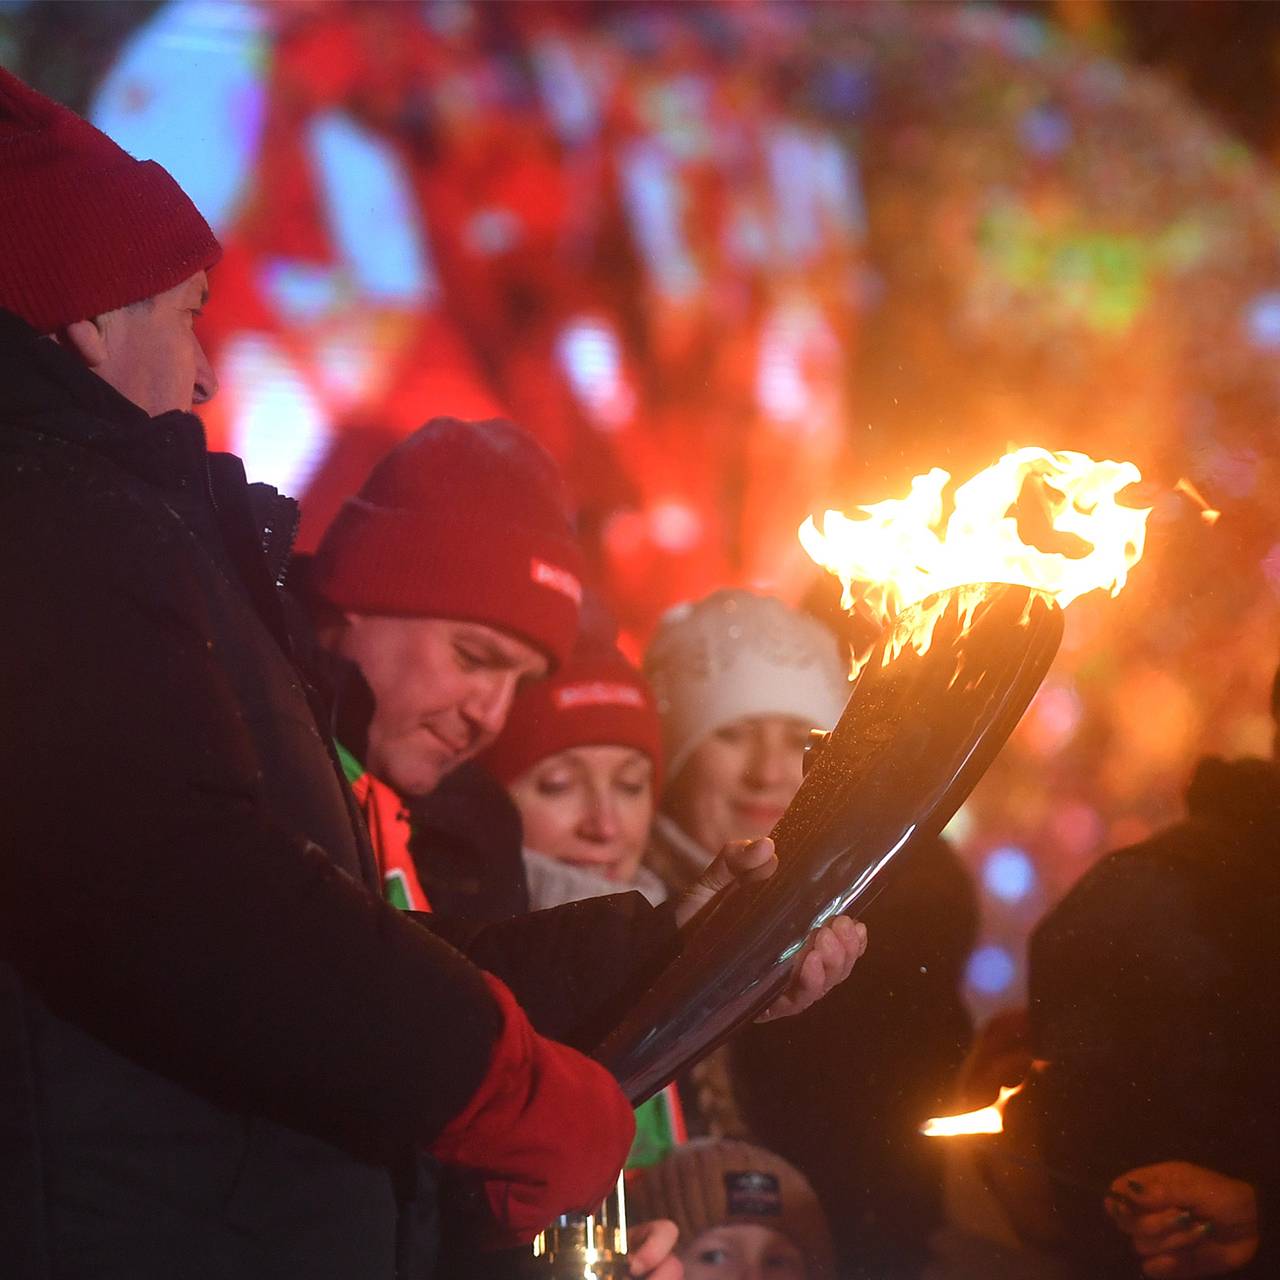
(546, 1132)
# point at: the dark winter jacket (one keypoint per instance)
(218, 1048)
(467, 838)
(1154, 1000)
(841, 1089)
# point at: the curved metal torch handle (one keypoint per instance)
(919, 730)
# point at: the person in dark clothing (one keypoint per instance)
(840, 1091)
(1152, 1000)
(465, 840)
(220, 1050)
(446, 583)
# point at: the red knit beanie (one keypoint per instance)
(463, 520)
(84, 227)
(596, 699)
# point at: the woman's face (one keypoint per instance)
(737, 781)
(744, 1251)
(589, 806)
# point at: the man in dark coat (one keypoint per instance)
(447, 581)
(220, 1050)
(1153, 1000)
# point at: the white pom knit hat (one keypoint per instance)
(738, 654)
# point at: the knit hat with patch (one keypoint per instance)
(463, 520)
(596, 699)
(737, 654)
(85, 228)
(718, 1182)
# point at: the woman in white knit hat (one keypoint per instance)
(740, 680)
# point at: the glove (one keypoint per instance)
(546, 1132)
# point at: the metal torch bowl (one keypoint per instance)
(918, 732)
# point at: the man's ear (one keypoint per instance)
(88, 339)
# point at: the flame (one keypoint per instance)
(1208, 514)
(985, 1120)
(895, 553)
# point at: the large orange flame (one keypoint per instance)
(984, 1120)
(895, 553)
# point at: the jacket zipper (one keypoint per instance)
(278, 537)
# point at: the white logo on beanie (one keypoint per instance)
(598, 693)
(558, 579)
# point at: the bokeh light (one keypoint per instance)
(991, 971)
(1008, 874)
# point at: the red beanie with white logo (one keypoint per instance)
(84, 227)
(596, 699)
(463, 520)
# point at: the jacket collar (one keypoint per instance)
(553, 883)
(676, 857)
(45, 388)
(39, 379)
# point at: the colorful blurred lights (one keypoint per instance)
(1052, 720)
(279, 427)
(1263, 320)
(591, 356)
(796, 341)
(991, 970)
(371, 212)
(1078, 829)
(1045, 131)
(675, 526)
(193, 71)
(1271, 567)
(1008, 874)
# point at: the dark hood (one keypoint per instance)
(1243, 791)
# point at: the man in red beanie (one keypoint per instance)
(456, 555)
(222, 1053)
(447, 582)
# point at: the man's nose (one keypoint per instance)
(490, 702)
(206, 386)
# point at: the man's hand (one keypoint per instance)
(1184, 1220)
(830, 952)
(651, 1250)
